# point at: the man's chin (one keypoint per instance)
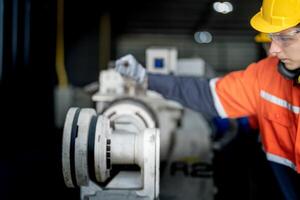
(291, 66)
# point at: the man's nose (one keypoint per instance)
(275, 48)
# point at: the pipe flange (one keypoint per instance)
(68, 147)
(81, 143)
(102, 149)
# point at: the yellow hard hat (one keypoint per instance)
(276, 15)
(262, 38)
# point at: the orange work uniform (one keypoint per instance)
(263, 92)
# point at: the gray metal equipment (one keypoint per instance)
(94, 146)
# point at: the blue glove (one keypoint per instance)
(129, 67)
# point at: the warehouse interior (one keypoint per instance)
(51, 54)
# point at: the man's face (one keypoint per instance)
(286, 46)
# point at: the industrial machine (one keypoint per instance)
(97, 149)
(150, 147)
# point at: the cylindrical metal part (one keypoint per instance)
(81, 141)
(93, 144)
(74, 150)
(102, 149)
(123, 147)
(69, 136)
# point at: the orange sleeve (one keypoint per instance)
(236, 94)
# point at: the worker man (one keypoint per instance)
(268, 90)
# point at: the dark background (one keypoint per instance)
(30, 144)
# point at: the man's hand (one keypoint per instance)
(129, 67)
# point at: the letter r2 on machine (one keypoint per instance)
(98, 150)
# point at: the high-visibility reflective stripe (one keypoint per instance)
(280, 102)
(281, 160)
(217, 102)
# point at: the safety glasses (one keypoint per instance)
(285, 39)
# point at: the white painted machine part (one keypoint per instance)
(86, 134)
(81, 162)
(111, 82)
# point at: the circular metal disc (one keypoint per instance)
(81, 143)
(68, 173)
(102, 148)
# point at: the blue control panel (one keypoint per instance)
(159, 63)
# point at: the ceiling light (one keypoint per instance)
(203, 37)
(223, 7)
